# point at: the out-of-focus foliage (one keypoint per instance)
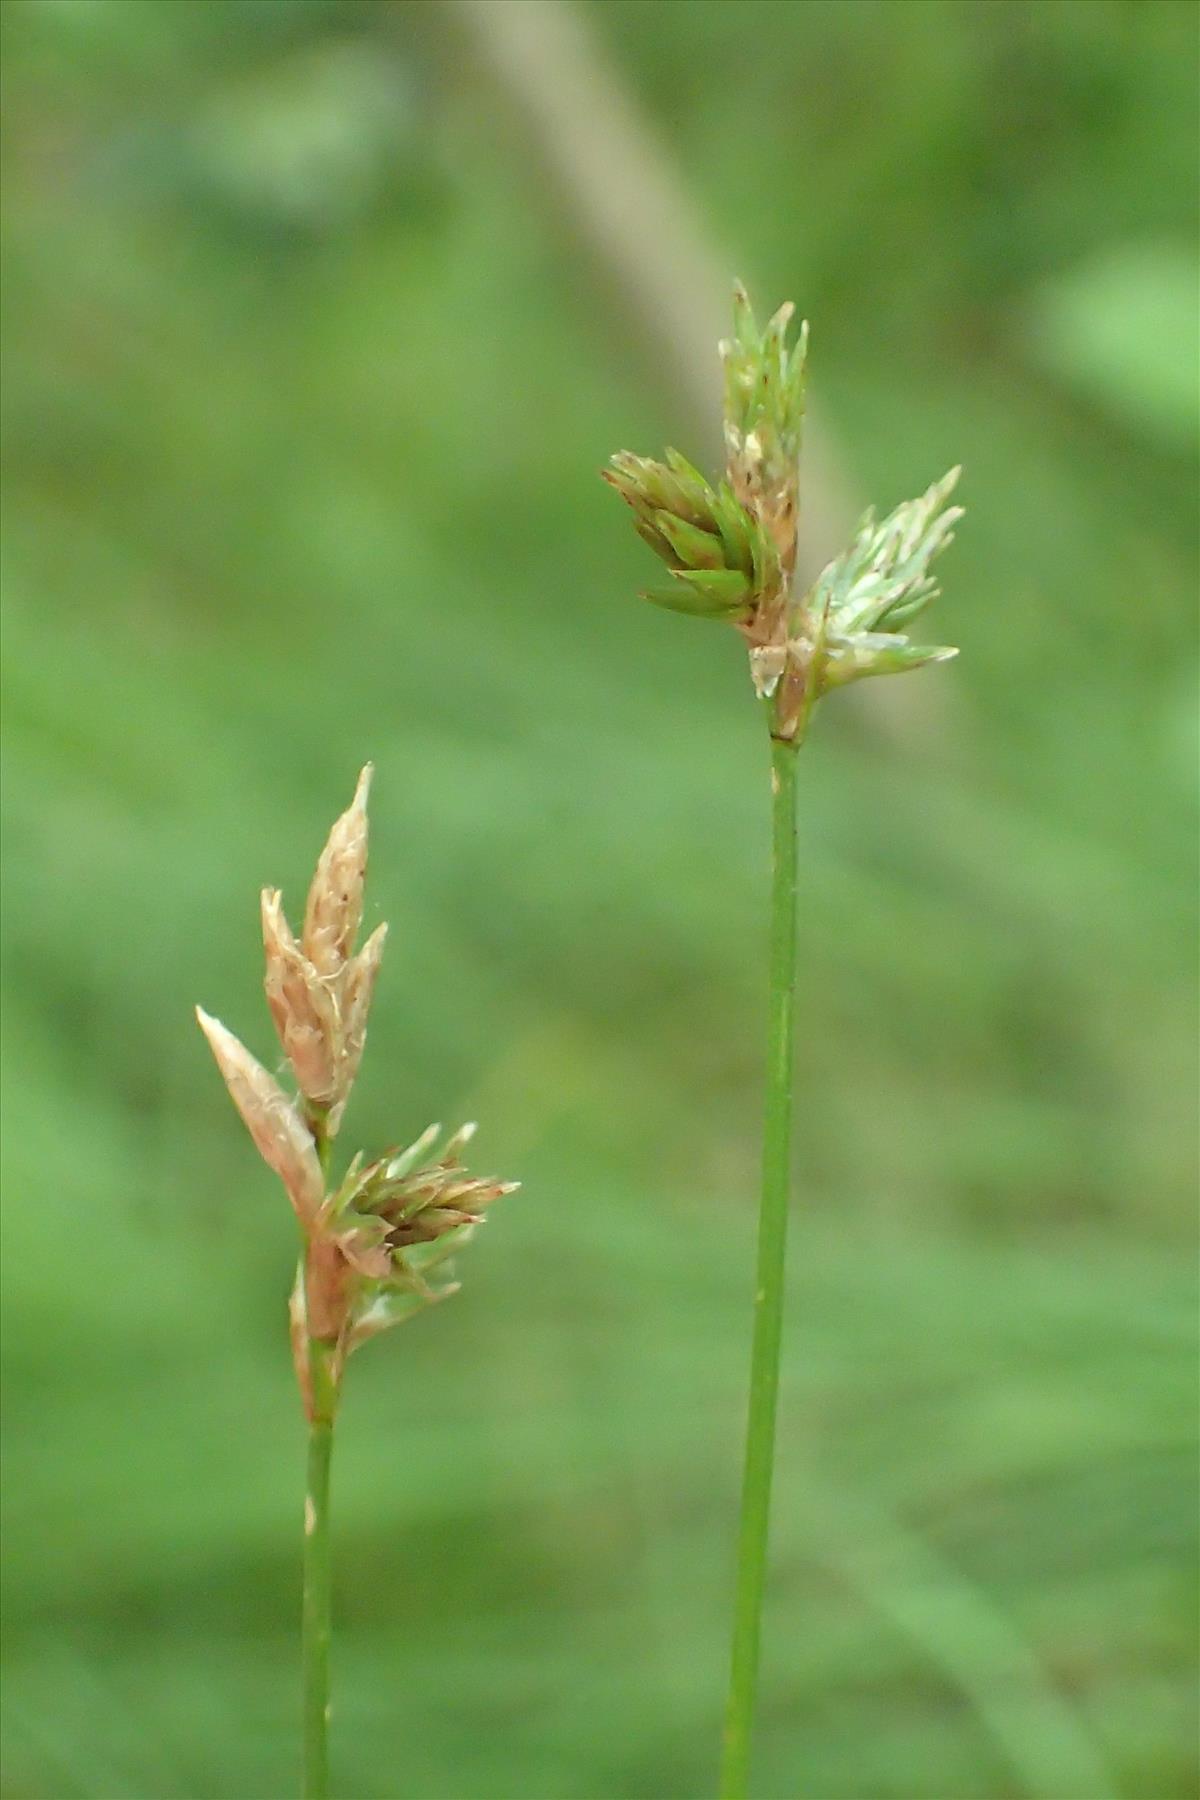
(305, 397)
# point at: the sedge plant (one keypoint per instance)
(376, 1240)
(730, 553)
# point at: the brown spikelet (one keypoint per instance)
(280, 1135)
(303, 1006)
(318, 991)
(335, 899)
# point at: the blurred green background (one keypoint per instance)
(312, 357)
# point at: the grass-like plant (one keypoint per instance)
(730, 552)
(375, 1244)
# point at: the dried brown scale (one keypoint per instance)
(327, 1279)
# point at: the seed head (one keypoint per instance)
(731, 550)
(377, 1246)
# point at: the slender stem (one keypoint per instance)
(317, 1612)
(317, 1578)
(768, 1291)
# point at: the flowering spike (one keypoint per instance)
(731, 550)
(372, 1235)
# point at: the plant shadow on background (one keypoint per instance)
(306, 393)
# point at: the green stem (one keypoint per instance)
(317, 1612)
(317, 1575)
(768, 1290)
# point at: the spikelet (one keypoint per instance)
(335, 899)
(764, 413)
(407, 1197)
(318, 991)
(303, 1007)
(280, 1135)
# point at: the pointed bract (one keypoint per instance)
(876, 653)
